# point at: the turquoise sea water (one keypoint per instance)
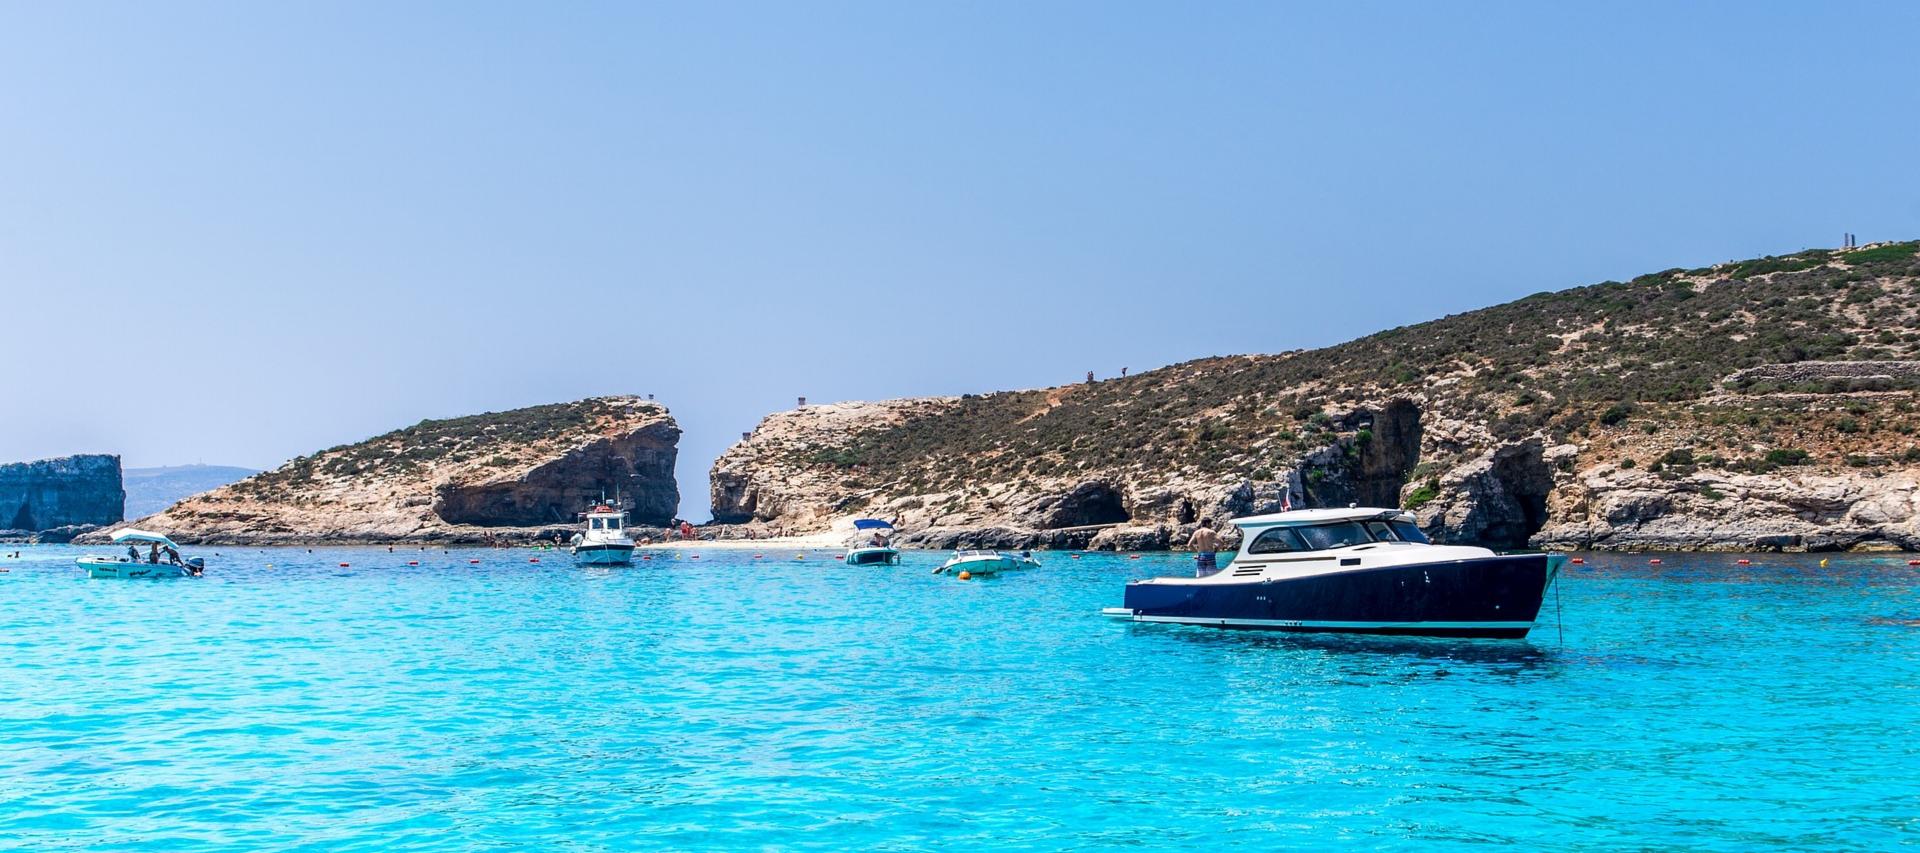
(730, 703)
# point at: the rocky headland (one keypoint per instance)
(53, 500)
(1767, 404)
(509, 476)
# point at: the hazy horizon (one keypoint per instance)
(237, 234)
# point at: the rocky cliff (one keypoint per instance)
(1766, 404)
(60, 496)
(510, 475)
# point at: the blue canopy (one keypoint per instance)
(870, 523)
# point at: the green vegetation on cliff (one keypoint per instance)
(481, 437)
(1652, 355)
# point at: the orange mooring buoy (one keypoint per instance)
(966, 576)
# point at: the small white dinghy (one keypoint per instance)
(131, 565)
(977, 563)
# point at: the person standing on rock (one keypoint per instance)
(1205, 543)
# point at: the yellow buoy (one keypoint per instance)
(966, 576)
(1823, 562)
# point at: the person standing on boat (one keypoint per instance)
(153, 553)
(1205, 543)
(133, 554)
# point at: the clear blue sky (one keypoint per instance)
(302, 224)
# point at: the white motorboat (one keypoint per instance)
(977, 563)
(1354, 570)
(161, 561)
(604, 542)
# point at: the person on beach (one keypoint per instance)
(1204, 543)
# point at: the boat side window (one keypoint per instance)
(596, 523)
(1339, 534)
(613, 524)
(1381, 532)
(1276, 540)
(1409, 532)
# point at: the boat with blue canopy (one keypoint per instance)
(878, 550)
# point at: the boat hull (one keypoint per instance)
(1495, 597)
(603, 555)
(109, 568)
(988, 565)
(873, 557)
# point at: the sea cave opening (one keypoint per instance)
(1087, 505)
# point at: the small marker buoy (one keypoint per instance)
(693, 556)
(1823, 562)
(757, 556)
(1654, 562)
(1743, 562)
(413, 562)
(1133, 556)
(1913, 562)
(1076, 556)
(799, 556)
(533, 559)
(343, 565)
(473, 562)
(966, 576)
(1577, 561)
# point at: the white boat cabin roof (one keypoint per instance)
(1320, 516)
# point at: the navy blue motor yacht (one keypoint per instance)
(1355, 570)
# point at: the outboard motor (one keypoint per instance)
(196, 565)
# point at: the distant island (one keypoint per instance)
(150, 490)
(1766, 404)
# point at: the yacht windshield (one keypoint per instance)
(1276, 540)
(1339, 534)
(1334, 534)
(596, 523)
(1409, 532)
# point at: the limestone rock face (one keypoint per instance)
(1498, 498)
(70, 491)
(1824, 511)
(515, 475)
